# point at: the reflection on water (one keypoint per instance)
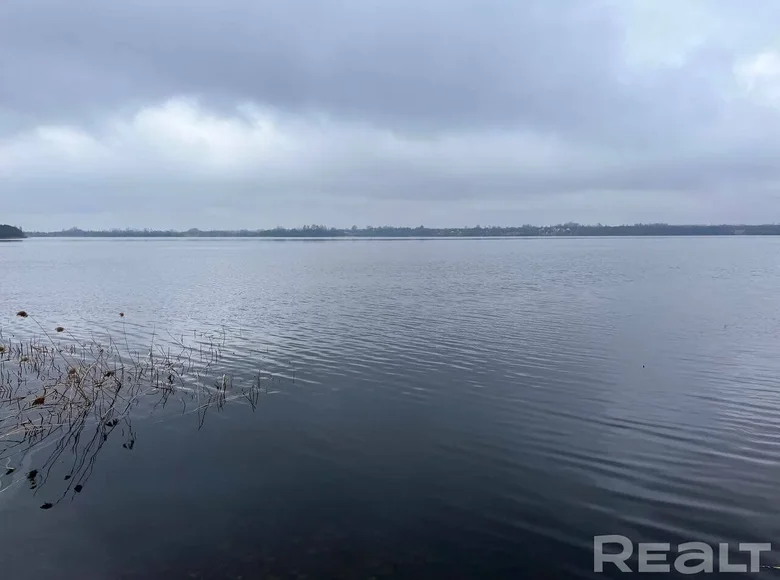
(442, 409)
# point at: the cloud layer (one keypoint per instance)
(251, 113)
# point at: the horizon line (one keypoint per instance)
(321, 227)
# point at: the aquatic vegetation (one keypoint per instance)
(66, 395)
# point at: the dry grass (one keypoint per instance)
(71, 394)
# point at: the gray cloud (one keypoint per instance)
(255, 113)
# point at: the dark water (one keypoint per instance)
(436, 409)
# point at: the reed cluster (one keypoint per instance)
(56, 387)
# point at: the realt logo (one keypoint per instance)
(690, 557)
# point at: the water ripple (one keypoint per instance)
(487, 405)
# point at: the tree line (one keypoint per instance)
(321, 231)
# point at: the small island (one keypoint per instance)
(11, 233)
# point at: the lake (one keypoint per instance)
(425, 408)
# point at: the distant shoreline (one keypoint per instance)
(389, 232)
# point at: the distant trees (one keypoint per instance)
(10, 233)
(321, 231)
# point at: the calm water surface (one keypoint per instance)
(437, 409)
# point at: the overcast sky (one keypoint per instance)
(256, 113)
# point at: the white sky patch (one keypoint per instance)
(181, 138)
(760, 77)
(655, 35)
